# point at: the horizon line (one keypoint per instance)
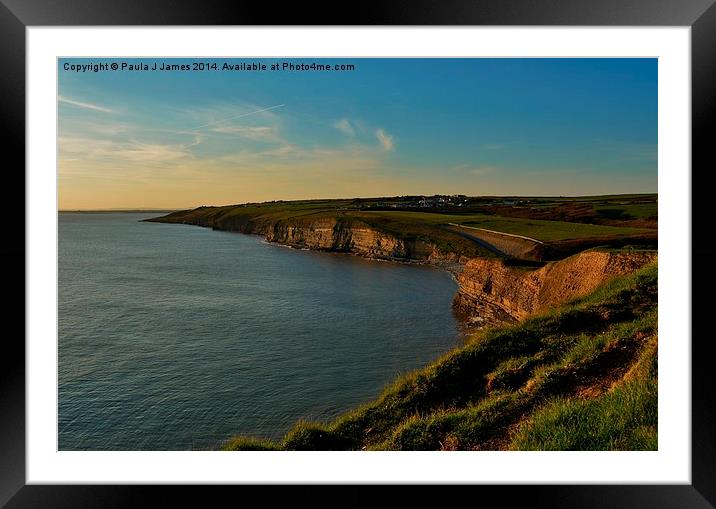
(160, 209)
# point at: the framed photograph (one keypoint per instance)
(422, 248)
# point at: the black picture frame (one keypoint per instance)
(700, 15)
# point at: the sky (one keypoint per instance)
(389, 127)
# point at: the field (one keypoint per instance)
(581, 377)
(628, 210)
(638, 211)
(534, 228)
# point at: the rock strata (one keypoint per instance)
(492, 292)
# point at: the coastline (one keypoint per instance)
(491, 291)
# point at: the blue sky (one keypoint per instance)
(388, 127)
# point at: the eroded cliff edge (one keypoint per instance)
(490, 291)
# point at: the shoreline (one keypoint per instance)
(454, 269)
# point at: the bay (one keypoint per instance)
(176, 337)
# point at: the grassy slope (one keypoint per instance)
(580, 377)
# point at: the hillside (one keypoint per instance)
(583, 376)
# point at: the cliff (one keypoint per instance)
(492, 292)
(351, 236)
(335, 233)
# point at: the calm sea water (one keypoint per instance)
(178, 337)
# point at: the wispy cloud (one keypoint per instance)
(258, 133)
(153, 152)
(88, 106)
(292, 156)
(385, 139)
(344, 125)
(123, 154)
(240, 115)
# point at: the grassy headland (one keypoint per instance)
(564, 225)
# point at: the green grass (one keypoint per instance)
(521, 387)
(622, 419)
(250, 444)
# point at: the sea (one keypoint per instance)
(178, 337)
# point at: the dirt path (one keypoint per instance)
(497, 233)
(477, 240)
(503, 244)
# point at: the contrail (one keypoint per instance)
(83, 105)
(237, 116)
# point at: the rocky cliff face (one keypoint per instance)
(492, 292)
(331, 234)
(354, 237)
(358, 238)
